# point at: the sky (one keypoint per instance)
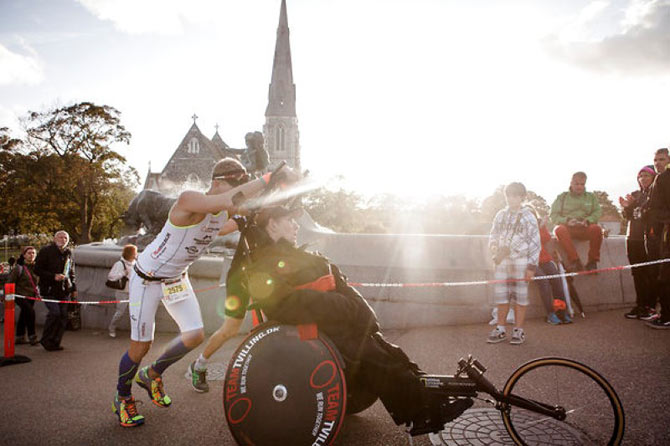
(416, 97)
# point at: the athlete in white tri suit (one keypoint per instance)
(160, 274)
(168, 257)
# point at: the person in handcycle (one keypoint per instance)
(294, 286)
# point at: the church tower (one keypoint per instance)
(280, 131)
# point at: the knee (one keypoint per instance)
(138, 350)
(595, 230)
(561, 231)
(194, 338)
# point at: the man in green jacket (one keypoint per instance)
(575, 214)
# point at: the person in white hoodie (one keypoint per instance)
(120, 270)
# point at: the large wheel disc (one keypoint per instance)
(281, 389)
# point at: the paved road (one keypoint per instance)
(65, 397)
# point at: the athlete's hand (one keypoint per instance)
(288, 175)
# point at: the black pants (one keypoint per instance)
(664, 275)
(54, 326)
(643, 277)
(26, 318)
(352, 325)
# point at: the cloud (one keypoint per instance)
(18, 68)
(637, 43)
(163, 17)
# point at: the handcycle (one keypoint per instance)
(288, 385)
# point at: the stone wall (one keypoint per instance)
(373, 258)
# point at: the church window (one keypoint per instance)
(280, 139)
(193, 146)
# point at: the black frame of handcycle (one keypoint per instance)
(475, 382)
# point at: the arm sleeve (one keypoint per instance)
(41, 265)
(533, 240)
(555, 215)
(73, 281)
(494, 236)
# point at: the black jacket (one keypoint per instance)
(637, 214)
(51, 261)
(660, 199)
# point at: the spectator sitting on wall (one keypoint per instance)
(576, 214)
(635, 210)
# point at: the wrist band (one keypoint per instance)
(266, 178)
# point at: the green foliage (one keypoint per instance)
(345, 211)
(65, 175)
(607, 206)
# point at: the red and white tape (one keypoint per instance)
(396, 285)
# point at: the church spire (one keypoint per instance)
(281, 97)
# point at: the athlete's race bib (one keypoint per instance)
(174, 290)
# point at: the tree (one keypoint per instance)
(608, 208)
(78, 170)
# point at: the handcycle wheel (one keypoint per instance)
(283, 387)
(594, 414)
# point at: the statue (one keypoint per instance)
(149, 209)
(255, 158)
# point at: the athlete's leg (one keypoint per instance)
(186, 313)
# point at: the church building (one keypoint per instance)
(195, 156)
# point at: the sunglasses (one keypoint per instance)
(235, 179)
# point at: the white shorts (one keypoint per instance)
(144, 299)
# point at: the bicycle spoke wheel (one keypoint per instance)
(594, 414)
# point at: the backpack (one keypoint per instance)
(118, 284)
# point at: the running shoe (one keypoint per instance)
(552, 319)
(154, 388)
(649, 315)
(659, 324)
(127, 412)
(635, 313)
(518, 337)
(565, 318)
(198, 379)
(496, 335)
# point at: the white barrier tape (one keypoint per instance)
(399, 285)
(491, 282)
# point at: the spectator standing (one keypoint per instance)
(119, 271)
(635, 209)
(55, 268)
(515, 245)
(576, 214)
(25, 280)
(659, 205)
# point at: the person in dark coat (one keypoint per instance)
(25, 280)
(55, 268)
(636, 211)
(659, 205)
